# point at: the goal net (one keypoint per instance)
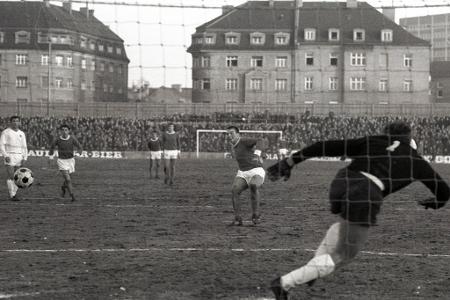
(216, 141)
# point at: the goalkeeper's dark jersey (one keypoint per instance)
(244, 152)
(394, 162)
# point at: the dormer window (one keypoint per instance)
(197, 40)
(101, 48)
(110, 49)
(22, 37)
(281, 38)
(359, 35)
(2, 37)
(310, 34)
(333, 34)
(232, 38)
(43, 37)
(119, 51)
(92, 45)
(210, 39)
(257, 38)
(83, 42)
(386, 35)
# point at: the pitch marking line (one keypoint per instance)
(9, 296)
(155, 249)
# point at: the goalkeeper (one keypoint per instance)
(380, 165)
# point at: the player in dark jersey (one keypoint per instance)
(380, 165)
(154, 145)
(66, 161)
(250, 174)
(171, 151)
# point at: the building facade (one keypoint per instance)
(313, 52)
(434, 29)
(51, 54)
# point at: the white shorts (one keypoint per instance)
(253, 176)
(15, 160)
(171, 154)
(155, 154)
(283, 151)
(66, 164)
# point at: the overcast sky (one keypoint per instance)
(156, 38)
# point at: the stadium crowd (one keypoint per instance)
(119, 134)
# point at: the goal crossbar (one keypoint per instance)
(199, 131)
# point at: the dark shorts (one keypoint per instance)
(355, 197)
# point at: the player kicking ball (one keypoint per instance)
(66, 161)
(380, 165)
(250, 174)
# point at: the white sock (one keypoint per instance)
(12, 187)
(319, 266)
(330, 241)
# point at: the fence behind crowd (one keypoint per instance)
(147, 110)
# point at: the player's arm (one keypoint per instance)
(24, 149)
(53, 145)
(2, 145)
(178, 145)
(423, 171)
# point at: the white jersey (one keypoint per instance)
(13, 142)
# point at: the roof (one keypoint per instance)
(258, 16)
(37, 14)
(440, 69)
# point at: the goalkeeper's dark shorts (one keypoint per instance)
(355, 197)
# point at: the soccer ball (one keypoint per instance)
(23, 178)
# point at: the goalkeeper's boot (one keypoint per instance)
(277, 289)
(237, 221)
(73, 197)
(63, 191)
(256, 219)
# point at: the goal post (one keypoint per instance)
(279, 134)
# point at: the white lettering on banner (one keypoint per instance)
(84, 154)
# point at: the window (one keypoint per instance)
(119, 90)
(281, 38)
(357, 83)
(231, 84)
(110, 49)
(232, 61)
(58, 82)
(358, 59)
(383, 85)
(111, 68)
(256, 84)
(21, 82)
(257, 38)
(21, 59)
(210, 39)
(256, 61)
(232, 38)
(69, 61)
(92, 45)
(281, 84)
(22, 37)
(119, 69)
(101, 48)
(309, 59)
(359, 35)
(280, 61)
(333, 59)
(333, 34)
(83, 42)
(195, 62)
(92, 65)
(197, 40)
(93, 86)
(386, 35)
(2, 37)
(310, 34)
(69, 83)
(44, 82)
(83, 85)
(119, 51)
(105, 87)
(59, 60)
(333, 83)
(308, 83)
(43, 37)
(383, 60)
(44, 60)
(440, 94)
(83, 63)
(205, 61)
(407, 60)
(407, 85)
(206, 84)
(102, 67)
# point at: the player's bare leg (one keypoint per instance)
(166, 170)
(239, 185)
(68, 184)
(172, 170)
(332, 253)
(156, 168)
(12, 187)
(255, 197)
(151, 167)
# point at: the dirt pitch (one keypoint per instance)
(129, 237)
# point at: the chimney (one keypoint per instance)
(91, 13)
(67, 5)
(299, 3)
(389, 13)
(47, 3)
(271, 3)
(352, 3)
(226, 8)
(84, 11)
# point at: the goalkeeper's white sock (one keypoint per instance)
(329, 242)
(12, 187)
(319, 266)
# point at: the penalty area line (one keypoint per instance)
(213, 249)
